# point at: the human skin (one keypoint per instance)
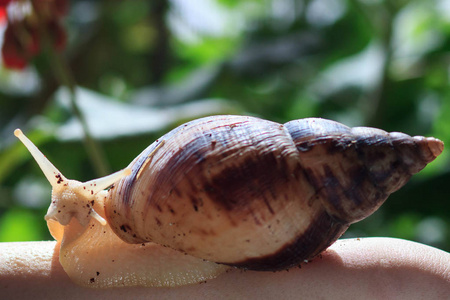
(368, 268)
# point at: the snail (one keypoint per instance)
(226, 191)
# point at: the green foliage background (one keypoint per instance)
(144, 67)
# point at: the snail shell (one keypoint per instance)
(283, 193)
(251, 193)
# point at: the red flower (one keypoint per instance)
(57, 8)
(58, 34)
(60, 7)
(3, 16)
(22, 40)
(12, 51)
(4, 3)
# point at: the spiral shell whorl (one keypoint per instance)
(354, 170)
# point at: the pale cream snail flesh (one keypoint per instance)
(226, 191)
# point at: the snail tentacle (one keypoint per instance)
(70, 198)
(50, 171)
(99, 184)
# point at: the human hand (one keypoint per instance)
(369, 268)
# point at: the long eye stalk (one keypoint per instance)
(50, 171)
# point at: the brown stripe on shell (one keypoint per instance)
(379, 154)
(235, 186)
(320, 234)
(339, 178)
(239, 180)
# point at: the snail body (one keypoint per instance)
(242, 191)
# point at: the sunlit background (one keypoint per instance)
(144, 67)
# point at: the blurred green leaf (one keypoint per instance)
(404, 226)
(21, 225)
(16, 154)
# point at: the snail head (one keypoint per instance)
(71, 198)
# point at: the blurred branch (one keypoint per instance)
(94, 150)
(159, 58)
(50, 83)
(63, 74)
(380, 17)
(378, 105)
(381, 24)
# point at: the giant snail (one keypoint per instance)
(226, 191)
